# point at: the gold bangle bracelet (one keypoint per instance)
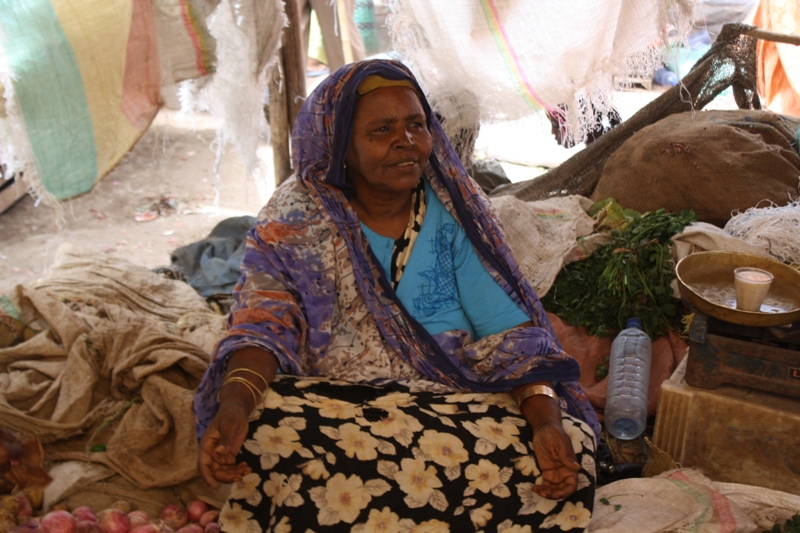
(239, 379)
(533, 390)
(252, 388)
(243, 369)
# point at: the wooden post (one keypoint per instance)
(344, 29)
(294, 62)
(287, 91)
(279, 125)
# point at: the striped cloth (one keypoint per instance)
(86, 77)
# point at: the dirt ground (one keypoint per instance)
(171, 167)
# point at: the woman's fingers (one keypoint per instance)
(206, 459)
(557, 483)
(557, 489)
(558, 463)
(242, 469)
(215, 469)
(219, 447)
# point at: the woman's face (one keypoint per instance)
(391, 143)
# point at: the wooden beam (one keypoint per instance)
(774, 36)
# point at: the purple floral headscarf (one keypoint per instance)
(320, 139)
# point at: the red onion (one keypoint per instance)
(27, 527)
(208, 517)
(88, 526)
(146, 528)
(195, 510)
(191, 528)
(174, 516)
(158, 526)
(84, 513)
(58, 522)
(163, 527)
(25, 508)
(116, 522)
(212, 527)
(138, 518)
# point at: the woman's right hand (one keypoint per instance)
(225, 435)
(221, 444)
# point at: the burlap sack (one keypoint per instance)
(678, 500)
(544, 235)
(682, 500)
(713, 162)
(107, 366)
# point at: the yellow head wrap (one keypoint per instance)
(375, 81)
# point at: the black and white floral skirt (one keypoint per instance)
(332, 456)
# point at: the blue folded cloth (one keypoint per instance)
(317, 73)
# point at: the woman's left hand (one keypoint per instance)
(556, 458)
(551, 445)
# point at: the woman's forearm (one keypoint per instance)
(538, 409)
(255, 365)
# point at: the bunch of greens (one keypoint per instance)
(791, 526)
(629, 277)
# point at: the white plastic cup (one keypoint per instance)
(752, 285)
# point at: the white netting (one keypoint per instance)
(248, 36)
(775, 227)
(516, 57)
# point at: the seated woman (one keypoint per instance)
(387, 367)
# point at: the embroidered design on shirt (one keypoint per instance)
(440, 291)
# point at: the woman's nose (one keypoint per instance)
(404, 139)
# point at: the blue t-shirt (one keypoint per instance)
(444, 285)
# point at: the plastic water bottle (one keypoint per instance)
(628, 378)
(665, 77)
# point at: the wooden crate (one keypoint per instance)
(732, 433)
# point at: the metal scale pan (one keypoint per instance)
(705, 281)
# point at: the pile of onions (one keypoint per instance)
(121, 517)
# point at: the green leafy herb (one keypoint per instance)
(629, 277)
(790, 526)
(605, 501)
(602, 369)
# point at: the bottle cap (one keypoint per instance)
(634, 322)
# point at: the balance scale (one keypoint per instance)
(763, 358)
(758, 350)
